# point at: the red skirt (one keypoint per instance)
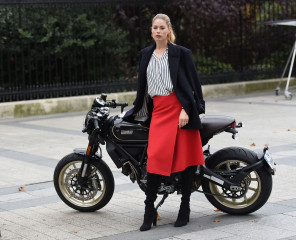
(170, 148)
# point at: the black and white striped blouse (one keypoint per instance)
(159, 81)
(158, 76)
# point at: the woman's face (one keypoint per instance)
(160, 30)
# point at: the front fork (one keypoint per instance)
(90, 151)
(86, 161)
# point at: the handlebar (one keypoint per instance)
(122, 104)
(101, 102)
(114, 104)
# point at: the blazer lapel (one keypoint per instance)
(173, 56)
(146, 55)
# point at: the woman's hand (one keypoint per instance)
(183, 118)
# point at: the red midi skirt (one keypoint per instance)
(170, 148)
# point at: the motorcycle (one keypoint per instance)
(234, 179)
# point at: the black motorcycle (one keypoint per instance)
(235, 180)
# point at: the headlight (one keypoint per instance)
(105, 111)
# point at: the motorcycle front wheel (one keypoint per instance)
(96, 192)
(256, 186)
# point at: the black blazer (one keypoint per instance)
(186, 83)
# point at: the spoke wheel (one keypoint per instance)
(256, 186)
(84, 196)
(251, 188)
(88, 195)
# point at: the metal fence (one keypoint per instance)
(74, 47)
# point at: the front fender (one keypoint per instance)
(82, 152)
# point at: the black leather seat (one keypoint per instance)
(214, 124)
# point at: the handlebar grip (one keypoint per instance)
(114, 104)
(122, 104)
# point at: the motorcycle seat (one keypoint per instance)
(214, 124)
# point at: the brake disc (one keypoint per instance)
(76, 190)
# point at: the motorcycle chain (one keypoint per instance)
(217, 195)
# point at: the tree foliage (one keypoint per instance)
(51, 37)
(81, 44)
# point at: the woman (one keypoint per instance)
(169, 93)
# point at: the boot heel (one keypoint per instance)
(148, 221)
(183, 218)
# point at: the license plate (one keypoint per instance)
(269, 160)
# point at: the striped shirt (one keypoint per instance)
(159, 82)
(158, 76)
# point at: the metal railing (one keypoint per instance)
(74, 47)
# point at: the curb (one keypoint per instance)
(241, 88)
(81, 103)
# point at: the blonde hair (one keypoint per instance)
(171, 35)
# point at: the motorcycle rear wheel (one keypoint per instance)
(97, 193)
(257, 184)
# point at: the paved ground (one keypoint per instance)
(31, 147)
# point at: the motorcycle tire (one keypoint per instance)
(100, 185)
(257, 185)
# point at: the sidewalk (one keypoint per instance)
(31, 147)
(29, 108)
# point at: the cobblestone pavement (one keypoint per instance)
(31, 147)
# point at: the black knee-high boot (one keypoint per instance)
(153, 182)
(187, 181)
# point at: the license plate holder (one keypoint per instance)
(269, 160)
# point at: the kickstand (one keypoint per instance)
(162, 200)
